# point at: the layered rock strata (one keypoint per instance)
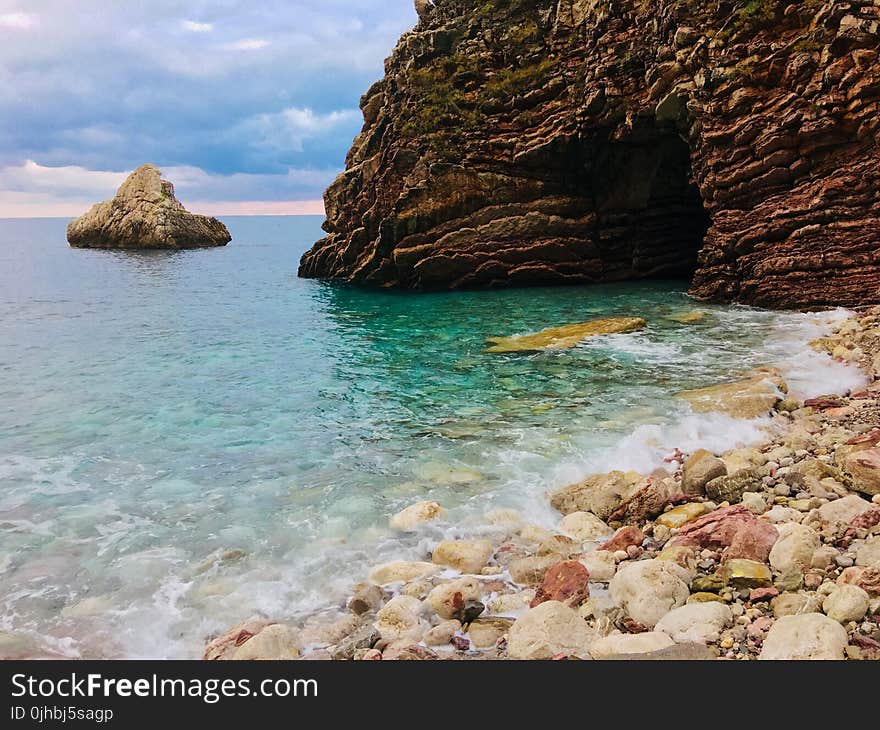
(572, 141)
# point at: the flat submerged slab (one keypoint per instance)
(569, 335)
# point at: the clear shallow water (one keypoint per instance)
(159, 409)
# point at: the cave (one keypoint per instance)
(650, 217)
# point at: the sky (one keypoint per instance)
(247, 106)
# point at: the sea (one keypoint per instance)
(189, 439)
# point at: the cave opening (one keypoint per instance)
(650, 218)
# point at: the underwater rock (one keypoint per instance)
(747, 398)
(569, 335)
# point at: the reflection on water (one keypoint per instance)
(188, 438)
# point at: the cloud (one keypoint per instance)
(271, 88)
(18, 20)
(247, 44)
(194, 27)
(291, 128)
(33, 190)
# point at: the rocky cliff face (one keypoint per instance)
(145, 214)
(521, 142)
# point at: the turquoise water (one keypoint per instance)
(160, 409)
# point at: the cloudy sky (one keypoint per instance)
(248, 106)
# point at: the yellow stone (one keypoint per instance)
(703, 597)
(688, 317)
(801, 505)
(681, 515)
(743, 573)
(747, 398)
(569, 335)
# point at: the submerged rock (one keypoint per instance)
(570, 335)
(144, 214)
(400, 571)
(746, 398)
(408, 519)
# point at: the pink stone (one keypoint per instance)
(869, 581)
(567, 582)
(624, 538)
(822, 402)
(762, 594)
(734, 530)
(868, 519)
(872, 437)
(759, 627)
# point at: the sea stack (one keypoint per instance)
(144, 214)
(571, 141)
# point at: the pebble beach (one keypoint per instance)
(766, 552)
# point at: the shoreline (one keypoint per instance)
(769, 550)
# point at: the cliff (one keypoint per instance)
(523, 142)
(144, 214)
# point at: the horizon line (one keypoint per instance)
(217, 215)
(217, 209)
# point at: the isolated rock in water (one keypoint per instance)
(805, 636)
(144, 214)
(561, 338)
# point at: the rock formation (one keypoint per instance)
(145, 214)
(571, 141)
